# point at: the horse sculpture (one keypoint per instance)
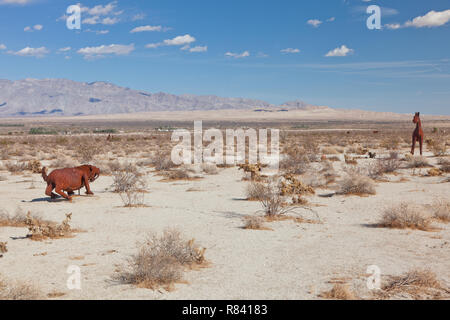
(417, 134)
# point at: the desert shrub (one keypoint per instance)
(257, 191)
(62, 162)
(16, 167)
(329, 150)
(384, 165)
(131, 187)
(35, 166)
(417, 283)
(295, 161)
(3, 248)
(356, 184)
(18, 291)
(209, 168)
(444, 165)
(41, 229)
(339, 291)
(160, 261)
(42, 130)
(86, 152)
(405, 216)
(162, 160)
(274, 204)
(254, 223)
(417, 162)
(290, 185)
(390, 143)
(437, 146)
(441, 210)
(178, 174)
(19, 219)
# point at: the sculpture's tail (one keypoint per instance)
(44, 174)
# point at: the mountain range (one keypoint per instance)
(62, 97)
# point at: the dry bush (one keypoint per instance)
(162, 160)
(437, 146)
(62, 162)
(444, 165)
(339, 291)
(329, 150)
(292, 186)
(274, 204)
(209, 168)
(383, 166)
(441, 210)
(356, 184)
(3, 248)
(86, 152)
(19, 219)
(160, 261)
(16, 167)
(295, 161)
(131, 187)
(404, 216)
(254, 223)
(41, 229)
(257, 191)
(35, 166)
(350, 160)
(417, 162)
(178, 174)
(390, 143)
(19, 291)
(417, 283)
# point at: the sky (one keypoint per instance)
(321, 52)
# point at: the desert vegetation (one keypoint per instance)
(161, 261)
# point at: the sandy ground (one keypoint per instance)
(293, 261)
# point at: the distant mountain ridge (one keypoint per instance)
(62, 97)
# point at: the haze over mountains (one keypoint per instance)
(62, 97)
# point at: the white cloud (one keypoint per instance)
(180, 40)
(38, 27)
(146, 29)
(393, 26)
(65, 49)
(331, 19)
(153, 45)
(31, 52)
(314, 22)
(184, 41)
(199, 49)
(109, 21)
(2, 46)
(290, 50)
(340, 52)
(431, 19)
(139, 16)
(100, 10)
(100, 51)
(21, 2)
(27, 29)
(91, 20)
(237, 55)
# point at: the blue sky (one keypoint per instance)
(319, 51)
